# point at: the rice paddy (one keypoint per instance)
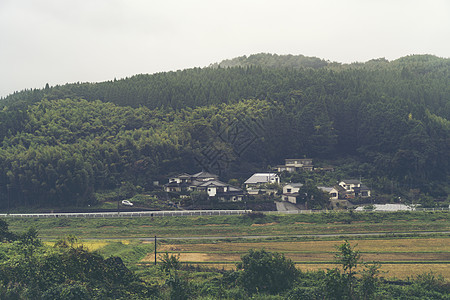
(399, 258)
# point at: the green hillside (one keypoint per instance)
(385, 121)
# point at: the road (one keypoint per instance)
(344, 235)
(284, 206)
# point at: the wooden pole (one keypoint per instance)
(155, 250)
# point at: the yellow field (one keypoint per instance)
(90, 245)
(412, 256)
(401, 271)
(377, 245)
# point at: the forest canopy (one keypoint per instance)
(61, 144)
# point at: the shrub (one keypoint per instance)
(262, 271)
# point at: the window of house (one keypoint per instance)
(288, 190)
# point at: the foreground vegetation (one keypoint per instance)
(65, 269)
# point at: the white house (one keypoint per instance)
(290, 192)
(354, 188)
(258, 181)
(291, 188)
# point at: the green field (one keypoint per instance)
(236, 226)
(406, 244)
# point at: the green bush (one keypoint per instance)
(261, 271)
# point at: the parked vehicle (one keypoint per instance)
(127, 203)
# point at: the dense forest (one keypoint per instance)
(388, 120)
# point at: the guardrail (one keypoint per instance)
(310, 211)
(190, 213)
(131, 214)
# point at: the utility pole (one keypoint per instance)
(155, 250)
(9, 196)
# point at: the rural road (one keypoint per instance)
(344, 235)
(285, 206)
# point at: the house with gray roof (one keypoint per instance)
(258, 182)
(205, 182)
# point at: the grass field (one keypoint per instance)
(232, 226)
(399, 256)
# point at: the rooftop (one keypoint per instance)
(261, 177)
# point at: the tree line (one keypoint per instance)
(61, 144)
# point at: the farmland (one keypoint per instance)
(400, 257)
(220, 241)
(340, 223)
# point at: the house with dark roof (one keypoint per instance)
(354, 188)
(333, 191)
(221, 190)
(205, 182)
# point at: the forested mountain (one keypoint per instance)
(60, 144)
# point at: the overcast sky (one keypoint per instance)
(60, 41)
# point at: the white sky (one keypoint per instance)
(60, 41)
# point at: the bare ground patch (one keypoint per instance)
(264, 224)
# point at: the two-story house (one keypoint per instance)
(258, 182)
(354, 188)
(296, 164)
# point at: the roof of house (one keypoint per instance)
(261, 178)
(364, 188)
(196, 183)
(300, 159)
(326, 188)
(184, 175)
(295, 185)
(204, 174)
(339, 188)
(213, 183)
(351, 181)
(235, 189)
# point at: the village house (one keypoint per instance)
(258, 182)
(204, 182)
(332, 191)
(296, 164)
(221, 190)
(354, 188)
(290, 192)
